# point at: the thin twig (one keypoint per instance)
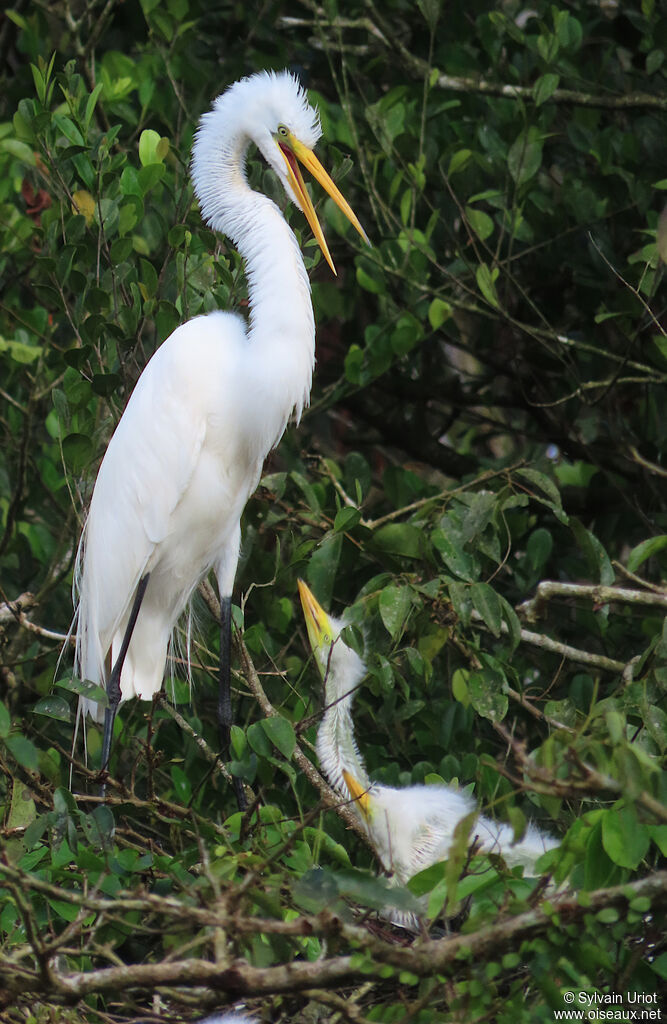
(641, 461)
(556, 647)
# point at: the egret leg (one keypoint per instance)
(225, 693)
(113, 682)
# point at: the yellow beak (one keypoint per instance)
(318, 624)
(293, 150)
(358, 793)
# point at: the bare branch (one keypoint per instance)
(597, 592)
(564, 650)
(378, 28)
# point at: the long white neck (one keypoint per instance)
(282, 327)
(336, 744)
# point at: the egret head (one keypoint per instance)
(386, 816)
(411, 827)
(341, 668)
(272, 110)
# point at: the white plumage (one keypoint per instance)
(412, 827)
(210, 404)
(235, 1017)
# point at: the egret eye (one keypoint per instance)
(282, 130)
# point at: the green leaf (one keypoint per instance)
(22, 811)
(545, 87)
(596, 556)
(149, 176)
(182, 786)
(544, 483)
(608, 915)
(661, 243)
(539, 547)
(525, 155)
(451, 551)
(5, 721)
(65, 911)
(487, 604)
(458, 161)
(85, 688)
(459, 595)
(399, 539)
(21, 150)
(53, 707)
(511, 619)
(129, 182)
(394, 606)
(69, 129)
(658, 834)
(431, 12)
(480, 222)
(238, 741)
(517, 820)
(20, 352)
(78, 451)
(407, 333)
(346, 519)
(310, 492)
(369, 283)
(645, 550)
(486, 696)
(281, 733)
(659, 965)
(354, 364)
(460, 686)
(258, 740)
(654, 61)
(323, 566)
(625, 839)
(486, 282)
(23, 751)
(438, 312)
(92, 101)
(150, 151)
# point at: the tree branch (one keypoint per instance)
(533, 609)
(14, 611)
(546, 643)
(378, 28)
(239, 978)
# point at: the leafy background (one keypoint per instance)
(480, 479)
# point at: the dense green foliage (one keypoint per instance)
(486, 417)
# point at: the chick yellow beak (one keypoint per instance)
(318, 624)
(358, 793)
(294, 151)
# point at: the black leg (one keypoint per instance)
(113, 682)
(225, 693)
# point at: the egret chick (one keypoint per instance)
(412, 827)
(236, 1017)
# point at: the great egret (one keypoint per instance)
(412, 827)
(209, 406)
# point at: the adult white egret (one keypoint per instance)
(412, 827)
(209, 406)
